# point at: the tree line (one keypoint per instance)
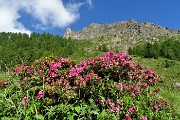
(168, 48)
(16, 48)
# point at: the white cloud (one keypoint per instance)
(48, 13)
(8, 19)
(89, 2)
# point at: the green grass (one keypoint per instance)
(169, 77)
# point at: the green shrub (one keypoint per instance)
(106, 87)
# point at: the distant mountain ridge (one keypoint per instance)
(121, 33)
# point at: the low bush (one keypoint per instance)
(111, 86)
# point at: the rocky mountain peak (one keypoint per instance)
(121, 33)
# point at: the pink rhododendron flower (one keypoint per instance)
(18, 69)
(132, 110)
(154, 94)
(110, 110)
(150, 75)
(108, 101)
(144, 85)
(127, 117)
(63, 60)
(138, 90)
(131, 64)
(116, 109)
(143, 117)
(40, 94)
(102, 102)
(120, 85)
(68, 87)
(25, 100)
(36, 73)
(52, 74)
(133, 95)
(112, 104)
(47, 79)
(120, 102)
(37, 62)
(150, 80)
(167, 103)
(123, 63)
(139, 83)
(156, 108)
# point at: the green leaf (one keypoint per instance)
(78, 109)
(5, 118)
(95, 112)
(91, 100)
(70, 117)
(103, 113)
(39, 117)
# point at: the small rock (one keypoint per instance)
(178, 85)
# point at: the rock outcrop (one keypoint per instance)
(121, 34)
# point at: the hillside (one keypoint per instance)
(49, 68)
(121, 34)
(16, 48)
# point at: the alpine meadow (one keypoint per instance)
(121, 71)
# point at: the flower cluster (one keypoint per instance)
(125, 87)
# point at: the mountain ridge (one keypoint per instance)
(121, 34)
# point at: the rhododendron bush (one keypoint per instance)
(111, 86)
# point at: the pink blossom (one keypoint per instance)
(110, 110)
(127, 117)
(36, 73)
(167, 103)
(143, 117)
(120, 102)
(133, 95)
(102, 102)
(47, 79)
(63, 60)
(150, 80)
(150, 75)
(52, 74)
(154, 94)
(37, 62)
(108, 101)
(120, 85)
(123, 63)
(151, 106)
(112, 104)
(131, 64)
(144, 85)
(138, 90)
(40, 71)
(84, 63)
(25, 100)
(142, 67)
(156, 108)
(158, 79)
(116, 109)
(68, 87)
(40, 94)
(132, 109)
(139, 83)
(86, 79)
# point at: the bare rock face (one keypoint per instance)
(68, 33)
(178, 85)
(121, 34)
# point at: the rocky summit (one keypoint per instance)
(121, 34)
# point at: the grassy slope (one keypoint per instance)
(169, 75)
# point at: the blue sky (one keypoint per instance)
(54, 16)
